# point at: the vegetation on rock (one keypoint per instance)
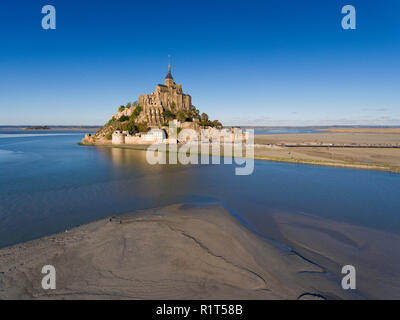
(131, 119)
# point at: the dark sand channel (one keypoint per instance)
(200, 252)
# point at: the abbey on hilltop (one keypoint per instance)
(168, 96)
(134, 121)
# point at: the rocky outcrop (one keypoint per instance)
(167, 102)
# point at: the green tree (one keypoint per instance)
(121, 108)
(136, 112)
(123, 118)
(204, 117)
(142, 127)
(181, 116)
(111, 121)
(168, 115)
(131, 127)
(195, 113)
(216, 123)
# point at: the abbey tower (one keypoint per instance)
(168, 96)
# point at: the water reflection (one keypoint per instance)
(121, 157)
(164, 184)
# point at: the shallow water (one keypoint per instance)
(48, 183)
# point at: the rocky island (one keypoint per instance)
(37, 128)
(147, 120)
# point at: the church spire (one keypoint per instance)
(169, 75)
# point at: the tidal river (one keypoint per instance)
(331, 216)
(48, 184)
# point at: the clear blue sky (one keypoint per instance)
(243, 62)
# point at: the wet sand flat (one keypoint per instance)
(373, 253)
(191, 252)
(339, 138)
(364, 130)
(370, 156)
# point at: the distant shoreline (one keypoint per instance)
(49, 128)
(37, 128)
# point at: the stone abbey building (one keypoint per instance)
(168, 96)
(148, 114)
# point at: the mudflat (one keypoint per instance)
(365, 130)
(383, 138)
(189, 252)
(364, 150)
